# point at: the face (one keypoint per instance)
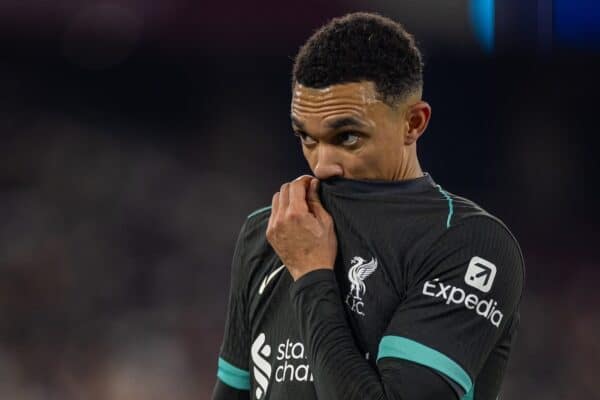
(345, 130)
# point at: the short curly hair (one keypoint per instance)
(361, 47)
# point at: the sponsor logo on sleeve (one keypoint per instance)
(480, 275)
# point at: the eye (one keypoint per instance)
(349, 138)
(305, 139)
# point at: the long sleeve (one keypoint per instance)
(233, 375)
(222, 391)
(441, 334)
(340, 370)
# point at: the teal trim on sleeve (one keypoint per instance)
(450, 205)
(233, 376)
(470, 395)
(252, 214)
(407, 349)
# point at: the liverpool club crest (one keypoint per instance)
(360, 270)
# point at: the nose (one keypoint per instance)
(327, 165)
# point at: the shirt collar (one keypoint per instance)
(350, 186)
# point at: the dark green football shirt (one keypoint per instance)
(422, 303)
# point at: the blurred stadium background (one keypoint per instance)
(137, 135)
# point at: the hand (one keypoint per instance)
(300, 230)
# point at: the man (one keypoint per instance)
(368, 280)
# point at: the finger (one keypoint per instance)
(298, 190)
(274, 206)
(312, 195)
(273, 216)
(314, 202)
(304, 178)
(284, 198)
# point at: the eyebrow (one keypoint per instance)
(297, 122)
(335, 124)
(345, 122)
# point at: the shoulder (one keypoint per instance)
(251, 237)
(254, 251)
(468, 221)
(467, 214)
(255, 224)
(470, 217)
(460, 207)
(484, 230)
(477, 236)
(461, 215)
(470, 230)
(444, 209)
(259, 214)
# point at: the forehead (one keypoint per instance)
(355, 98)
(361, 92)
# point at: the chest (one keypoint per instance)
(280, 368)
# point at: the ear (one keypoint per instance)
(417, 119)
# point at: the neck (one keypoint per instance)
(409, 167)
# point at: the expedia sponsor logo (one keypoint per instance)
(480, 274)
(455, 295)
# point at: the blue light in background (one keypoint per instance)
(577, 22)
(482, 20)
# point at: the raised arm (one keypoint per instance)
(462, 298)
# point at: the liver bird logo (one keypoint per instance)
(360, 270)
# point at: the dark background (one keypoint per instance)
(137, 135)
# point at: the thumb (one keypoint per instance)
(313, 200)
